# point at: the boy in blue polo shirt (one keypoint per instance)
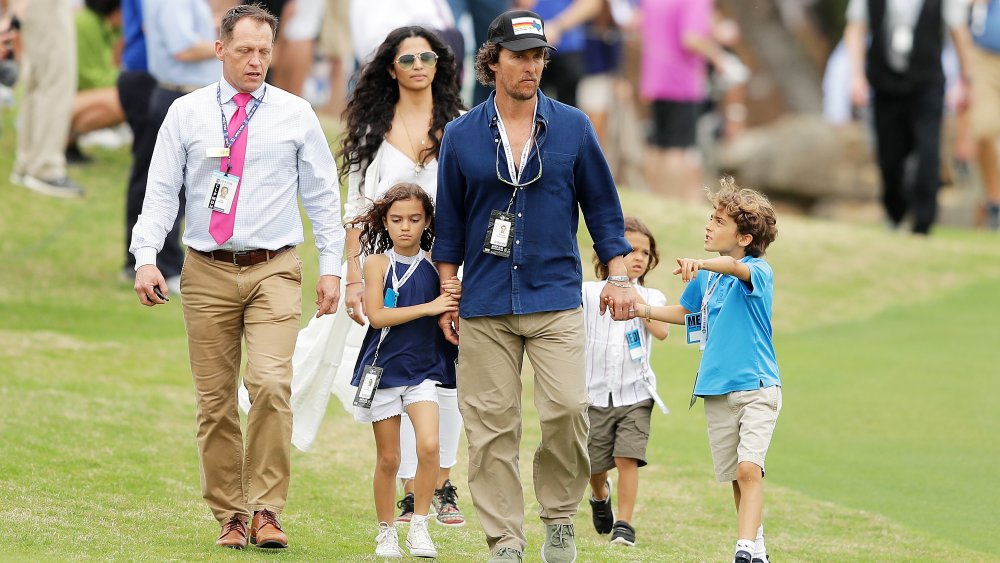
(726, 309)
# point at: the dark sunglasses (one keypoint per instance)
(427, 58)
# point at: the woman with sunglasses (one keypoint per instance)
(403, 99)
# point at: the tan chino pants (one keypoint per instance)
(223, 306)
(489, 393)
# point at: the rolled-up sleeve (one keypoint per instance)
(163, 186)
(598, 197)
(320, 192)
(449, 216)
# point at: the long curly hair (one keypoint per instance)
(372, 106)
(374, 234)
(751, 210)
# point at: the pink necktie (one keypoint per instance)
(221, 225)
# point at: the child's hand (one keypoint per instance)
(444, 303)
(688, 268)
(453, 287)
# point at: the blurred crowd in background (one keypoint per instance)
(843, 108)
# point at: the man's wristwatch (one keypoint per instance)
(620, 281)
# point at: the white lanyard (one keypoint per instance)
(704, 307)
(396, 284)
(644, 367)
(515, 174)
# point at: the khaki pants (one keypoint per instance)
(489, 393)
(223, 304)
(48, 36)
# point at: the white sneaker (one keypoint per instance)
(387, 542)
(62, 187)
(418, 539)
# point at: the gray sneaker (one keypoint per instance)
(505, 554)
(560, 544)
(61, 187)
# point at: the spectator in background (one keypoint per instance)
(335, 44)
(900, 72)
(986, 102)
(602, 57)
(677, 46)
(564, 21)
(48, 40)
(482, 13)
(135, 87)
(180, 48)
(368, 32)
(96, 105)
(299, 26)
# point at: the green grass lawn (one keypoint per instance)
(886, 449)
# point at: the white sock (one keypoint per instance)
(759, 550)
(744, 545)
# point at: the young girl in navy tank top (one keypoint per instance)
(404, 355)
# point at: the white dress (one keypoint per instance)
(328, 347)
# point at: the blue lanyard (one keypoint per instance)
(225, 127)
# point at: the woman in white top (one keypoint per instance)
(395, 118)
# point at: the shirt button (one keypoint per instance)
(517, 242)
(518, 214)
(515, 267)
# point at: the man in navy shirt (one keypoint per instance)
(513, 175)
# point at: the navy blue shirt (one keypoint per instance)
(415, 350)
(134, 51)
(543, 272)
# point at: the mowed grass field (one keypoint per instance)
(886, 449)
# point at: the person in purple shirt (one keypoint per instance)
(513, 175)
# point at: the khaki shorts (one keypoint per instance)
(740, 425)
(984, 113)
(618, 432)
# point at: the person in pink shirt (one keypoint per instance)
(677, 46)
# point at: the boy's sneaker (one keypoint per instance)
(604, 516)
(743, 557)
(418, 539)
(560, 544)
(505, 554)
(387, 542)
(445, 501)
(765, 559)
(623, 534)
(406, 507)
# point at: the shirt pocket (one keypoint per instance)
(558, 176)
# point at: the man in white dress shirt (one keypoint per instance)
(242, 275)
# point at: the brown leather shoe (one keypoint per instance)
(265, 531)
(234, 533)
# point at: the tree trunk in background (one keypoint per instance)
(780, 56)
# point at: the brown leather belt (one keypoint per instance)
(244, 258)
(180, 88)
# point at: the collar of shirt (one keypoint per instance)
(226, 92)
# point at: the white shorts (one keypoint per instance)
(392, 401)
(305, 21)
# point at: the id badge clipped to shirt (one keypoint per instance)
(634, 345)
(692, 325)
(369, 384)
(499, 234)
(223, 190)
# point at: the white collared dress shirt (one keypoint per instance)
(613, 379)
(287, 159)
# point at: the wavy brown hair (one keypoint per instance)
(632, 225)
(375, 235)
(752, 212)
(372, 105)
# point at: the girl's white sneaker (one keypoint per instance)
(418, 539)
(387, 542)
